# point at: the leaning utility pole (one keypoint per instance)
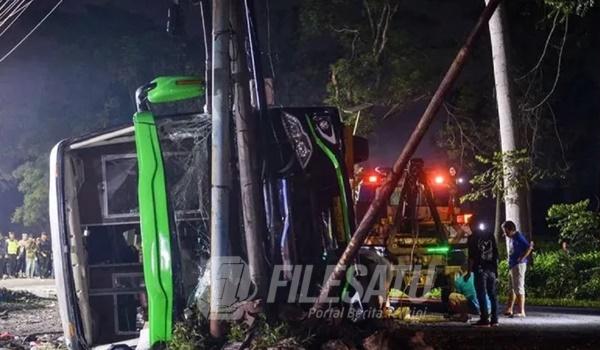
(247, 148)
(221, 157)
(513, 200)
(382, 196)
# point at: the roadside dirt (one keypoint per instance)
(27, 321)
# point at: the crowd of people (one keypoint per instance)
(28, 257)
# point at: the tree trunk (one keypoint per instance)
(515, 207)
(247, 147)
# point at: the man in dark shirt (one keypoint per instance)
(483, 263)
(44, 255)
(3, 256)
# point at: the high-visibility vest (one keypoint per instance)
(12, 246)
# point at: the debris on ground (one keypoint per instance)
(28, 322)
(16, 296)
(254, 330)
(337, 344)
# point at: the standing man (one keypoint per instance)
(44, 255)
(483, 263)
(519, 250)
(21, 267)
(3, 256)
(12, 250)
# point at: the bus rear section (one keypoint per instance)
(95, 225)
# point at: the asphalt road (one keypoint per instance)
(543, 328)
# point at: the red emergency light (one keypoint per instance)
(373, 179)
(464, 219)
(439, 180)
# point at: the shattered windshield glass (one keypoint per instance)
(185, 144)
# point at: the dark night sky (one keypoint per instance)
(33, 73)
(24, 81)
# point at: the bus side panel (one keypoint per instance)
(154, 223)
(57, 247)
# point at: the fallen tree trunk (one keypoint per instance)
(383, 194)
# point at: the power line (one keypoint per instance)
(9, 10)
(7, 6)
(23, 9)
(13, 9)
(31, 31)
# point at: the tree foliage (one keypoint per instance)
(491, 182)
(576, 224)
(470, 129)
(386, 58)
(470, 135)
(571, 7)
(32, 178)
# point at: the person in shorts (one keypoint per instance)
(519, 250)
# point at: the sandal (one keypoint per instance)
(508, 314)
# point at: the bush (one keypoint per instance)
(503, 277)
(558, 275)
(589, 290)
(587, 267)
(576, 224)
(584, 262)
(551, 276)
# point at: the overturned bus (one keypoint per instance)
(129, 212)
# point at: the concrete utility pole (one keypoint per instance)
(221, 157)
(382, 196)
(247, 147)
(514, 202)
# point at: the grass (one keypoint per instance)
(588, 304)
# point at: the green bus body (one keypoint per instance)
(155, 228)
(153, 202)
(173, 89)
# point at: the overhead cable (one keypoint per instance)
(31, 31)
(14, 19)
